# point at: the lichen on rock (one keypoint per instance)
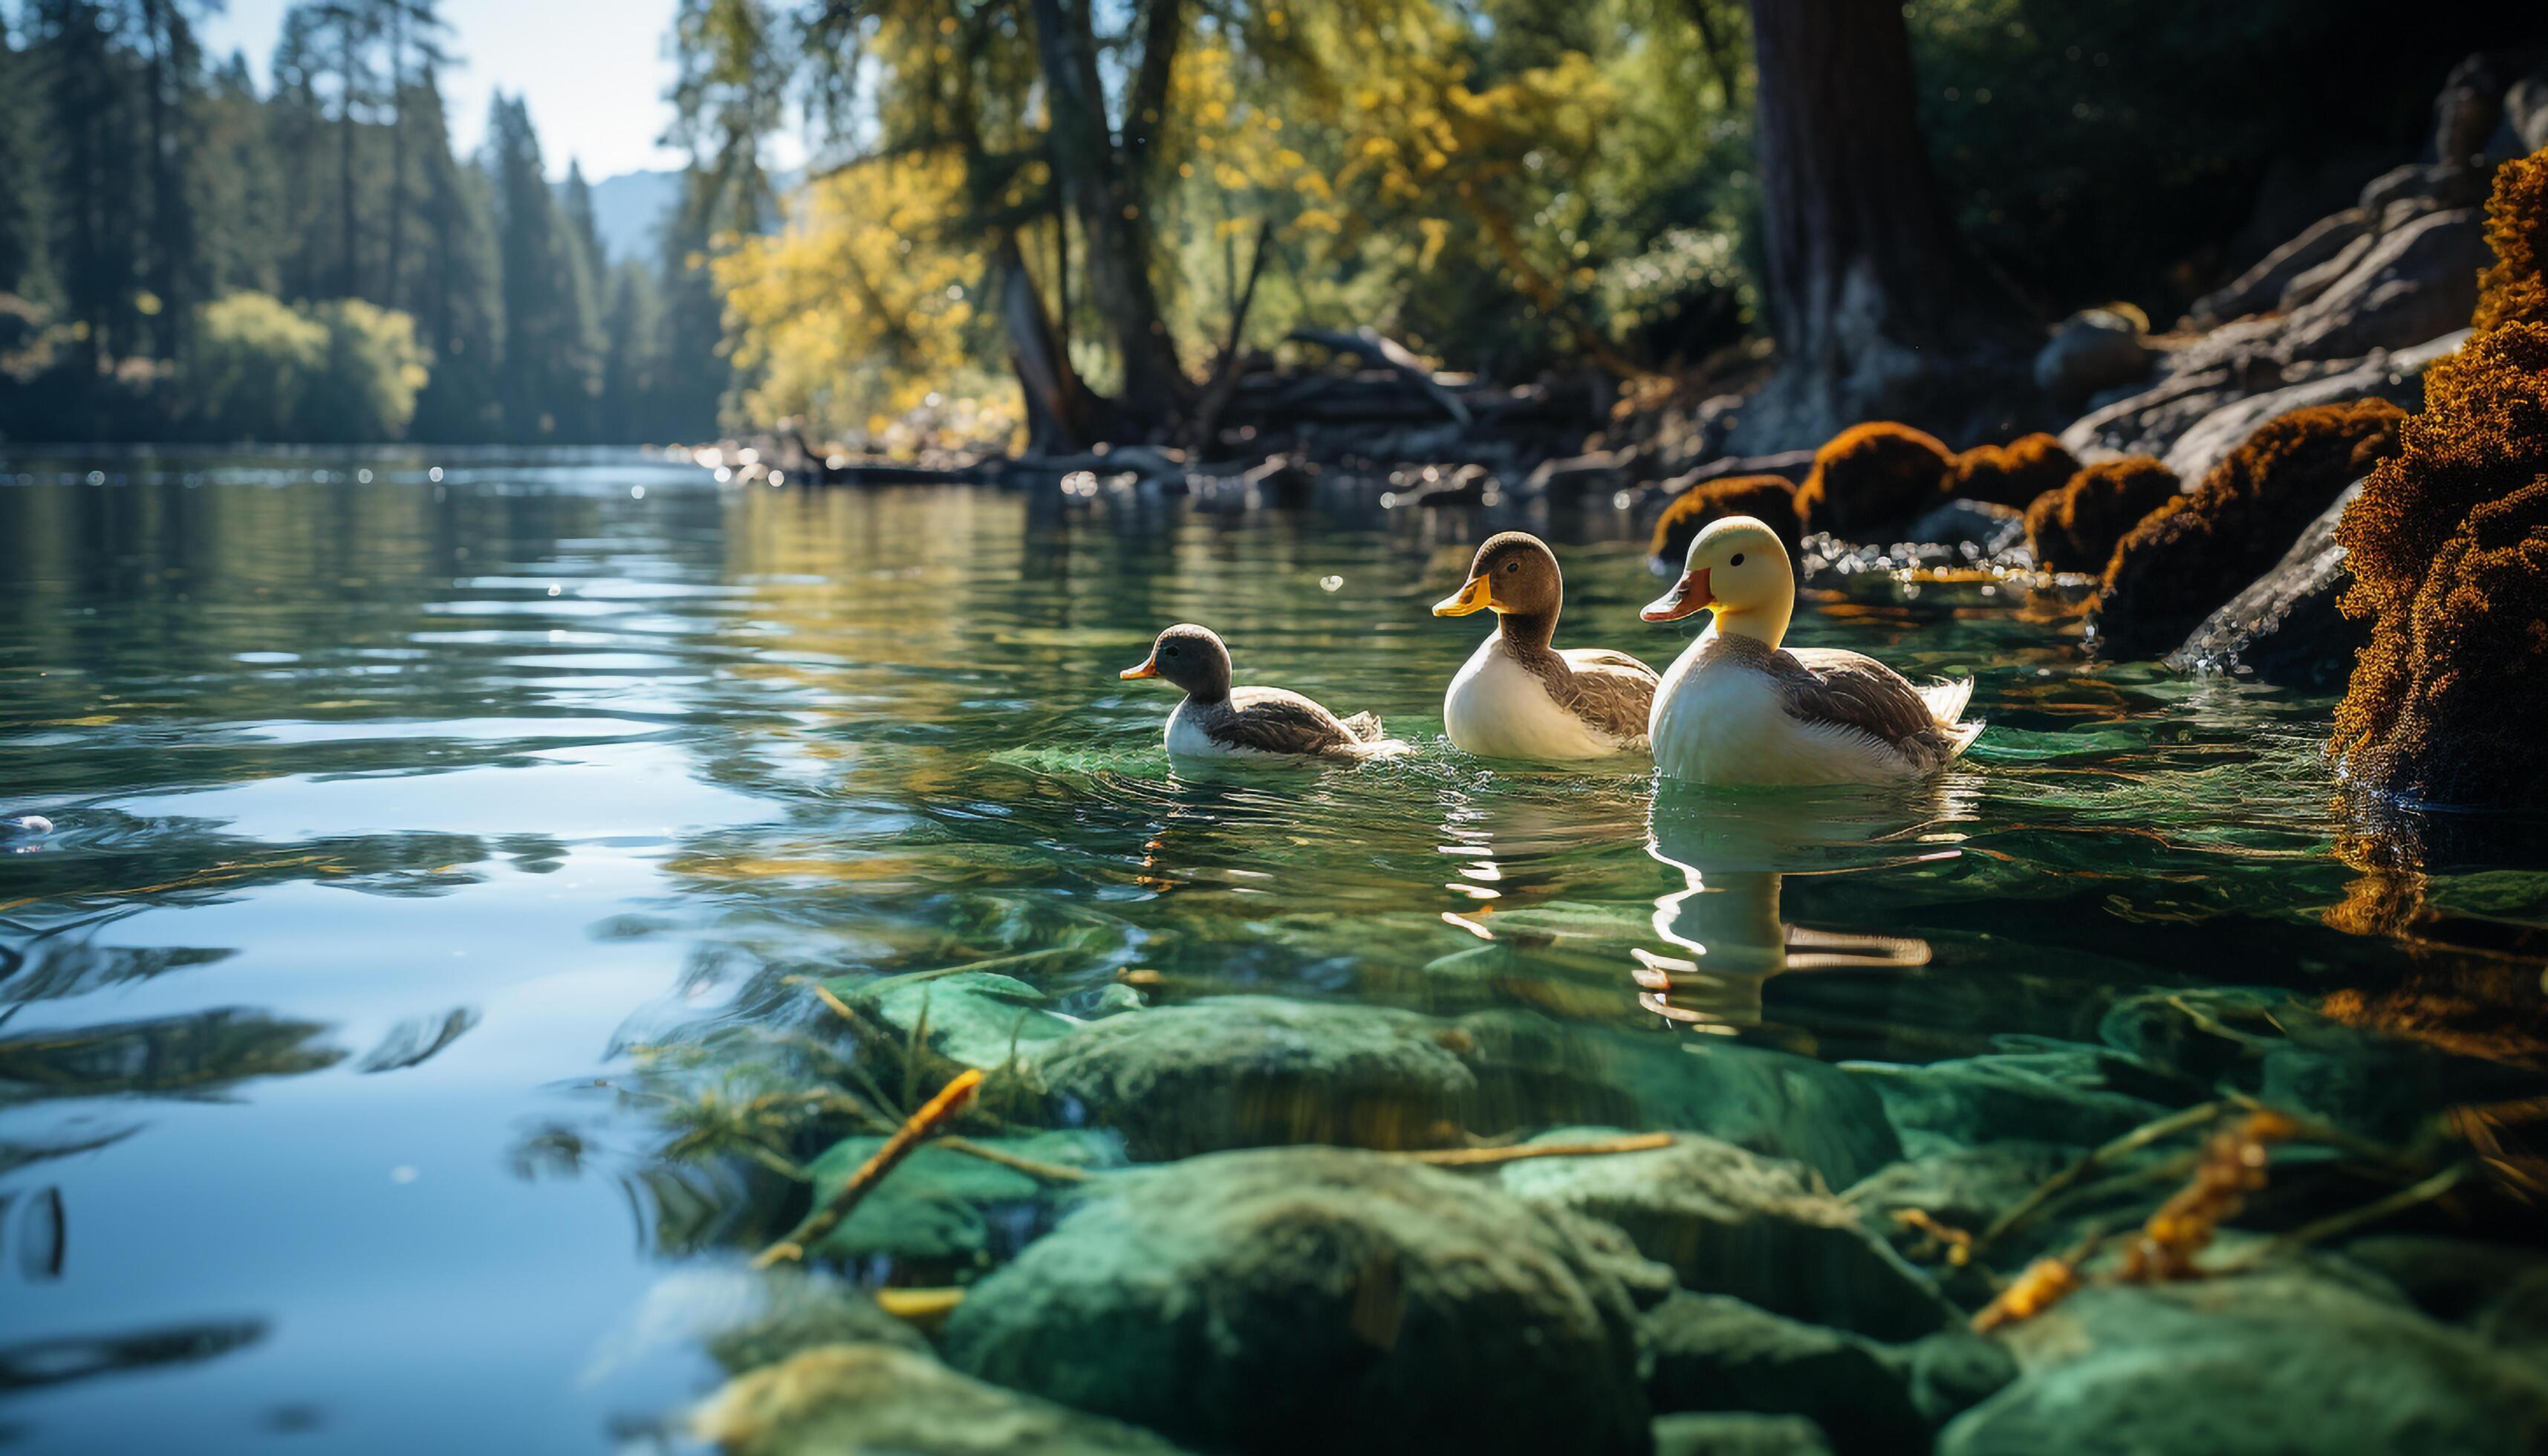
(2197, 551)
(2076, 526)
(1872, 478)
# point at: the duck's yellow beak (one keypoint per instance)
(1475, 596)
(1149, 667)
(1688, 595)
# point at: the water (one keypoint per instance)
(399, 820)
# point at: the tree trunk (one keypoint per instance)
(1061, 415)
(168, 224)
(347, 270)
(1103, 188)
(390, 297)
(1878, 307)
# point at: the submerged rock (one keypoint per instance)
(1316, 1298)
(1727, 1222)
(1709, 1352)
(1728, 1433)
(2286, 1360)
(975, 1017)
(2056, 1095)
(942, 1206)
(851, 1397)
(2286, 628)
(1250, 1071)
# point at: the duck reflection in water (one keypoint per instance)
(1724, 940)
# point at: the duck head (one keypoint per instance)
(1513, 574)
(1191, 656)
(1739, 569)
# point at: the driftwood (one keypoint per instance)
(1368, 342)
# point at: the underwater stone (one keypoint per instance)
(1316, 1298)
(1710, 1352)
(2285, 1361)
(1535, 1072)
(843, 1398)
(2071, 1097)
(747, 1319)
(1250, 1071)
(977, 1018)
(1729, 1433)
(1729, 1222)
(941, 1205)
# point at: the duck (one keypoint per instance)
(1216, 720)
(1518, 696)
(1738, 707)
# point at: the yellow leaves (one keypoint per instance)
(1436, 233)
(1229, 177)
(1318, 220)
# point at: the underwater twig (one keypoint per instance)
(2335, 1224)
(2046, 1282)
(949, 1100)
(1031, 1167)
(1472, 1157)
(2232, 1167)
(2131, 1141)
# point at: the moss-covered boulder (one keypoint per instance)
(873, 1398)
(943, 1210)
(1770, 498)
(2199, 550)
(2285, 1361)
(1710, 1352)
(2075, 527)
(1252, 1071)
(2448, 546)
(1316, 1298)
(2013, 474)
(1763, 1231)
(1873, 479)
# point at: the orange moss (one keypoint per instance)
(2196, 552)
(1768, 498)
(2075, 528)
(2516, 289)
(2013, 474)
(1870, 479)
(2448, 546)
(2232, 1166)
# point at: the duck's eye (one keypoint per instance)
(1167, 652)
(1737, 561)
(1512, 566)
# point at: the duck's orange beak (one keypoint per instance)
(1149, 667)
(1688, 595)
(1475, 596)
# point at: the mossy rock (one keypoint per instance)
(1316, 1298)
(1252, 1071)
(2068, 1096)
(2075, 527)
(1873, 479)
(2199, 550)
(1711, 1352)
(2282, 1360)
(1728, 1222)
(1769, 499)
(873, 1398)
(942, 1208)
(1731, 1433)
(2013, 474)
(974, 1018)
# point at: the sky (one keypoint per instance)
(594, 73)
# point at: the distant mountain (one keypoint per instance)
(627, 209)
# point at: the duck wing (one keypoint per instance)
(1611, 690)
(1853, 693)
(1270, 721)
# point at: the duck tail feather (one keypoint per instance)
(1947, 700)
(1365, 727)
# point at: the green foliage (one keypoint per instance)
(342, 371)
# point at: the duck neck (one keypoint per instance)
(1528, 632)
(1765, 622)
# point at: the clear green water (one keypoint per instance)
(394, 816)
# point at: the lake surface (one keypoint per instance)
(398, 818)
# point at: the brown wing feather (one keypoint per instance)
(1848, 689)
(1273, 721)
(1610, 691)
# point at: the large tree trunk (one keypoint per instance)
(390, 294)
(1062, 417)
(1103, 188)
(348, 270)
(1878, 306)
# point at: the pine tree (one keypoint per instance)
(24, 186)
(413, 32)
(631, 376)
(551, 373)
(459, 300)
(95, 156)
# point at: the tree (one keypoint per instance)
(633, 324)
(24, 187)
(414, 30)
(170, 83)
(95, 155)
(1878, 307)
(551, 370)
(458, 295)
(341, 35)
(574, 199)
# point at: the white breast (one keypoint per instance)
(1187, 739)
(1723, 721)
(1496, 709)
